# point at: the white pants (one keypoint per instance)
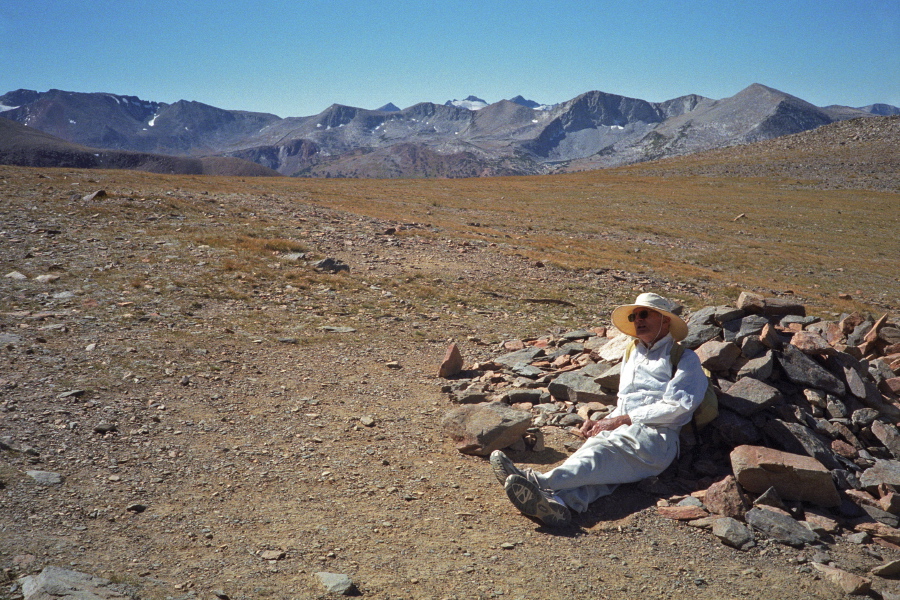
(624, 455)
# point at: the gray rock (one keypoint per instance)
(482, 428)
(699, 335)
(735, 429)
(575, 387)
(55, 583)
(330, 265)
(891, 520)
(737, 329)
(803, 370)
(798, 439)
(781, 528)
(888, 435)
(534, 396)
(609, 376)
(758, 368)
(732, 532)
(580, 334)
(749, 396)
(884, 472)
(523, 369)
(336, 583)
(526, 355)
(45, 477)
(864, 417)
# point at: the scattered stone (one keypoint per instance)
(95, 195)
(336, 583)
(889, 570)
(732, 533)
(330, 265)
(136, 508)
(848, 582)
(452, 363)
(45, 477)
(482, 428)
(272, 554)
(55, 583)
(781, 528)
(16, 275)
(333, 329)
(683, 513)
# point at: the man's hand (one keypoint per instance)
(591, 428)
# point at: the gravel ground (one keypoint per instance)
(213, 437)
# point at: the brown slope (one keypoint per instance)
(27, 147)
(855, 154)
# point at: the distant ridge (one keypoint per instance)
(461, 138)
(27, 147)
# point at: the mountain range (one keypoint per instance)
(462, 138)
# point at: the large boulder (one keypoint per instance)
(482, 428)
(794, 477)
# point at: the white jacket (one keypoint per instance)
(650, 395)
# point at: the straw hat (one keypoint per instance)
(677, 327)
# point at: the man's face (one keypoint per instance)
(649, 325)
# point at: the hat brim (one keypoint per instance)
(677, 327)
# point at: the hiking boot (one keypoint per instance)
(532, 501)
(503, 467)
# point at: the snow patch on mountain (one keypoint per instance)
(522, 101)
(4, 108)
(469, 103)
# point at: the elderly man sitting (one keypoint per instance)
(638, 439)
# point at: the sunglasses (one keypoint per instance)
(641, 314)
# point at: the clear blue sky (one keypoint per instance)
(297, 58)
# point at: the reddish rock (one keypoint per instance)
(513, 345)
(842, 448)
(879, 530)
(811, 343)
(893, 384)
(794, 477)
(452, 363)
(726, 498)
(718, 356)
(682, 513)
(848, 582)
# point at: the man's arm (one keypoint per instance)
(591, 428)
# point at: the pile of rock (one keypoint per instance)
(807, 408)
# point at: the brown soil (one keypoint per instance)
(238, 417)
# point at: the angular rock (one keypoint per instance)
(889, 570)
(888, 435)
(726, 498)
(452, 363)
(781, 528)
(735, 429)
(811, 343)
(331, 265)
(45, 477)
(718, 356)
(737, 329)
(795, 477)
(575, 387)
(884, 472)
(480, 429)
(732, 532)
(682, 513)
(337, 583)
(802, 370)
(758, 368)
(848, 582)
(525, 355)
(798, 439)
(615, 348)
(55, 583)
(770, 307)
(749, 396)
(700, 334)
(608, 377)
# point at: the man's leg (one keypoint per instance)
(624, 455)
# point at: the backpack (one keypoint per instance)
(709, 407)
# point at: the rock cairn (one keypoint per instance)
(806, 442)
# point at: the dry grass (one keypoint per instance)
(728, 233)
